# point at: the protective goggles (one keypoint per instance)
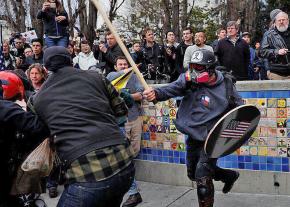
(197, 67)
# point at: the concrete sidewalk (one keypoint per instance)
(157, 195)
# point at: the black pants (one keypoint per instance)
(203, 170)
(200, 165)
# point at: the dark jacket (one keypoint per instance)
(32, 60)
(110, 57)
(180, 51)
(13, 118)
(154, 56)
(78, 109)
(200, 107)
(272, 42)
(52, 27)
(235, 58)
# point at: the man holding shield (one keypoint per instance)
(205, 100)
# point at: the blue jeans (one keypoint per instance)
(106, 193)
(63, 41)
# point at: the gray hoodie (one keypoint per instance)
(200, 107)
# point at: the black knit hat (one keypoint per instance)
(56, 57)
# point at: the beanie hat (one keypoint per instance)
(56, 57)
(274, 13)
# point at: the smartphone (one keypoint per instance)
(53, 5)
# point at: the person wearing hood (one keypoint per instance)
(80, 109)
(85, 59)
(204, 100)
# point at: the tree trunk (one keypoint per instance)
(175, 18)
(83, 18)
(167, 16)
(35, 6)
(245, 11)
(70, 16)
(20, 16)
(14, 13)
(184, 17)
(114, 8)
(91, 35)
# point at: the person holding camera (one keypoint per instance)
(55, 20)
(108, 52)
(170, 48)
(275, 46)
(154, 62)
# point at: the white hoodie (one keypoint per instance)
(85, 60)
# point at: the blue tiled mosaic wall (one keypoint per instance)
(268, 150)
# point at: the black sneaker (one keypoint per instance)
(52, 192)
(229, 183)
(133, 200)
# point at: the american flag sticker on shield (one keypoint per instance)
(235, 129)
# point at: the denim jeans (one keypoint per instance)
(63, 41)
(106, 193)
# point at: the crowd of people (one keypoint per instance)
(160, 62)
(97, 157)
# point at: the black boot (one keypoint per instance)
(205, 191)
(229, 182)
(228, 177)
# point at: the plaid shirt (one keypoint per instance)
(100, 164)
(103, 163)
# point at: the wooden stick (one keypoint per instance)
(121, 44)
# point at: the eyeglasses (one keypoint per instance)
(282, 20)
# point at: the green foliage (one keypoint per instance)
(202, 20)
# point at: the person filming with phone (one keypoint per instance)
(55, 20)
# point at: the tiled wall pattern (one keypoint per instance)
(268, 149)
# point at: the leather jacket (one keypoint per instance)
(271, 44)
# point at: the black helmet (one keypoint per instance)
(203, 57)
(203, 60)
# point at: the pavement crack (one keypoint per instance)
(179, 197)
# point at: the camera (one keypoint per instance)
(53, 5)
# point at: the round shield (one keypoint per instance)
(232, 131)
